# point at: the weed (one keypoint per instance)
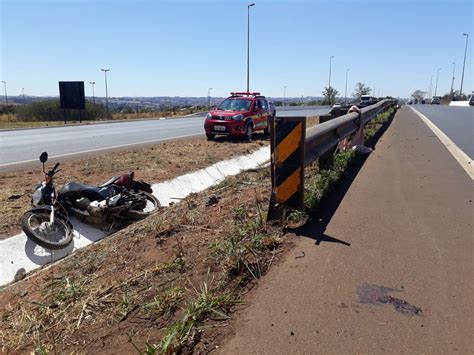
(318, 186)
(184, 330)
(65, 289)
(297, 216)
(166, 304)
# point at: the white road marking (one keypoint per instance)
(463, 159)
(105, 148)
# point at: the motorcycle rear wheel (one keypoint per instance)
(152, 206)
(36, 226)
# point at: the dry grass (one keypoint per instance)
(155, 285)
(153, 164)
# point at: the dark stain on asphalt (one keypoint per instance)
(377, 295)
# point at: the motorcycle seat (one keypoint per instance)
(91, 192)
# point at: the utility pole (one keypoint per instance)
(452, 81)
(209, 98)
(431, 87)
(330, 64)
(464, 63)
(248, 45)
(23, 93)
(106, 94)
(6, 96)
(437, 77)
(284, 95)
(93, 91)
(345, 91)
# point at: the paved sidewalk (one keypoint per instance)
(405, 282)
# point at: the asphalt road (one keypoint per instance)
(456, 122)
(24, 146)
(384, 268)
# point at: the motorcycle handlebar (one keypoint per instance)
(53, 170)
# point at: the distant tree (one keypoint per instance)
(361, 89)
(50, 110)
(418, 95)
(329, 94)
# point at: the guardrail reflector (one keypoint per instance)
(287, 149)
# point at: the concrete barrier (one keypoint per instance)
(459, 103)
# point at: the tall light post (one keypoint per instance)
(6, 96)
(93, 91)
(248, 45)
(330, 68)
(373, 91)
(431, 87)
(464, 63)
(437, 77)
(209, 98)
(284, 95)
(452, 81)
(345, 90)
(106, 94)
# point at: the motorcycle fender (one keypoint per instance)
(48, 208)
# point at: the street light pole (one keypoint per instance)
(464, 63)
(452, 82)
(345, 91)
(93, 91)
(431, 86)
(330, 64)
(437, 77)
(284, 95)
(209, 98)
(248, 45)
(6, 96)
(106, 94)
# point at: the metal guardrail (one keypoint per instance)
(293, 149)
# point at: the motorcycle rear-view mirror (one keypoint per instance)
(44, 157)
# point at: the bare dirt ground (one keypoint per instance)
(152, 164)
(152, 284)
(155, 163)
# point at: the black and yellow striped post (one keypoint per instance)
(287, 141)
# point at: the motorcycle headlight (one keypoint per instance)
(238, 117)
(37, 197)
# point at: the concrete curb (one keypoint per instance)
(20, 252)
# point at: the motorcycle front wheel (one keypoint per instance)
(152, 206)
(36, 225)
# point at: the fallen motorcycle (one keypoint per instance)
(120, 199)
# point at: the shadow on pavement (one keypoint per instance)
(84, 234)
(316, 224)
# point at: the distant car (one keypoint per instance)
(240, 114)
(336, 105)
(435, 100)
(367, 100)
(271, 107)
(409, 102)
(471, 100)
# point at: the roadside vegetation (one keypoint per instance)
(48, 113)
(164, 285)
(167, 284)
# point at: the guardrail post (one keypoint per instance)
(287, 141)
(326, 160)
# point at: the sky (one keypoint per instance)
(183, 48)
